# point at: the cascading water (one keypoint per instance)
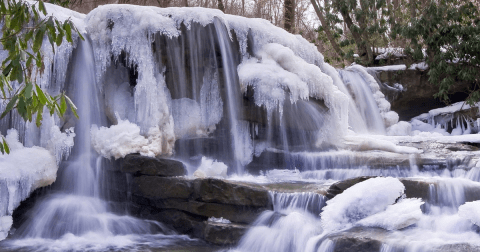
(75, 216)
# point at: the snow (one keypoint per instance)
(360, 201)
(397, 216)
(21, 172)
(124, 138)
(219, 220)
(470, 211)
(5, 225)
(359, 142)
(210, 168)
(387, 52)
(402, 128)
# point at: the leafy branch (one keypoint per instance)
(25, 25)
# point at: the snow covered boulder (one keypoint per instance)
(360, 201)
(21, 172)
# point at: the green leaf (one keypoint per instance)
(10, 106)
(68, 31)
(63, 105)
(41, 7)
(38, 120)
(22, 108)
(28, 90)
(72, 106)
(5, 146)
(41, 96)
(1, 148)
(37, 43)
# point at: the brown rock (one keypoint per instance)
(224, 234)
(142, 165)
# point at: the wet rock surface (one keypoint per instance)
(416, 97)
(142, 165)
(186, 204)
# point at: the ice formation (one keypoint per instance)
(124, 138)
(21, 172)
(397, 216)
(211, 168)
(360, 201)
(219, 220)
(471, 212)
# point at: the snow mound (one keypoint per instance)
(211, 168)
(406, 212)
(124, 138)
(471, 212)
(360, 201)
(401, 128)
(21, 172)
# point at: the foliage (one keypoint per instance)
(25, 25)
(447, 35)
(362, 23)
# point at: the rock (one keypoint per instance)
(358, 239)
(417, 94)
(219, 191)
(142, 165)
(416, 189)
(152, 187)
(224, 234)
(341, 186)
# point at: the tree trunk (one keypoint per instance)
(185, 3)
(326, 28)
(289, 16)
(220, 5)
(413, 8)
(243, 7)
(363, 48)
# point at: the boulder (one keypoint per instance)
(226, 192)
(153, 188)
(224, 233)
(142, 165)
(237, 202)
(416, 96)
(341, 186)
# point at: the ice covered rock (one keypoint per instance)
(360, 201)
(397, 216)
(211, 168)
(471, 211)
(125, 138)
(401, 128)
(21, 172)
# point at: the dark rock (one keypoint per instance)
(152, 187)
(142, 165)
(341, 186)
(416, 189)
(219, 191)
(358, 239)
(417, 94)
(224, 234)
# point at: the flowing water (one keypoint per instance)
(181, 86)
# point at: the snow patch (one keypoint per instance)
(211, 168)
(124, 138)
(400, 215)
(360, 201)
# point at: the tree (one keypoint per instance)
(23, 32)
(289, 15)
(447, 37)
(364, 20)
